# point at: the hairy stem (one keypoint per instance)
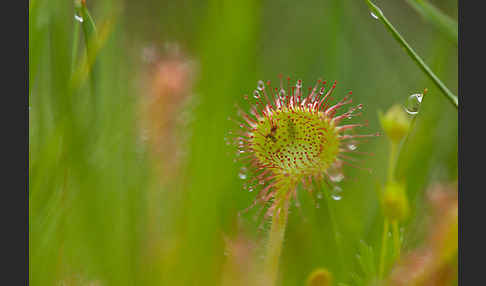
(274, 244)
(415, 57)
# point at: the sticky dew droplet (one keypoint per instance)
(243, 173)
(256, 94)
(260, 85)
(336, 193)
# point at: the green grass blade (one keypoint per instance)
(443, 22)
(90, 35)
(416, 58)
(75, 45)
(87, 64)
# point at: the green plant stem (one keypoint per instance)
(415, 57)
(394, 151)
(384, 246)
(274, 244)
(392, 161)
(396, 239)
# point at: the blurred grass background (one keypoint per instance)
(92, 184)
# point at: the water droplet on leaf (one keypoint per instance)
(413, 103)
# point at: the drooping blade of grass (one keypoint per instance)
(443, 22)
(379, 14)
(90, 35)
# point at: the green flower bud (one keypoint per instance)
(395, 123)
(395, 202)
(320, 277)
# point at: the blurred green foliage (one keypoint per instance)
(91, 180)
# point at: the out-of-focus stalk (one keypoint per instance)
(443, 22)
(384, 245)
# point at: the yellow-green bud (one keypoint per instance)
(395, 202)
(395, 123)
(320, 277)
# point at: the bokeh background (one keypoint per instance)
(133, 183)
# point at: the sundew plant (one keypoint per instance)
(243, 142)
